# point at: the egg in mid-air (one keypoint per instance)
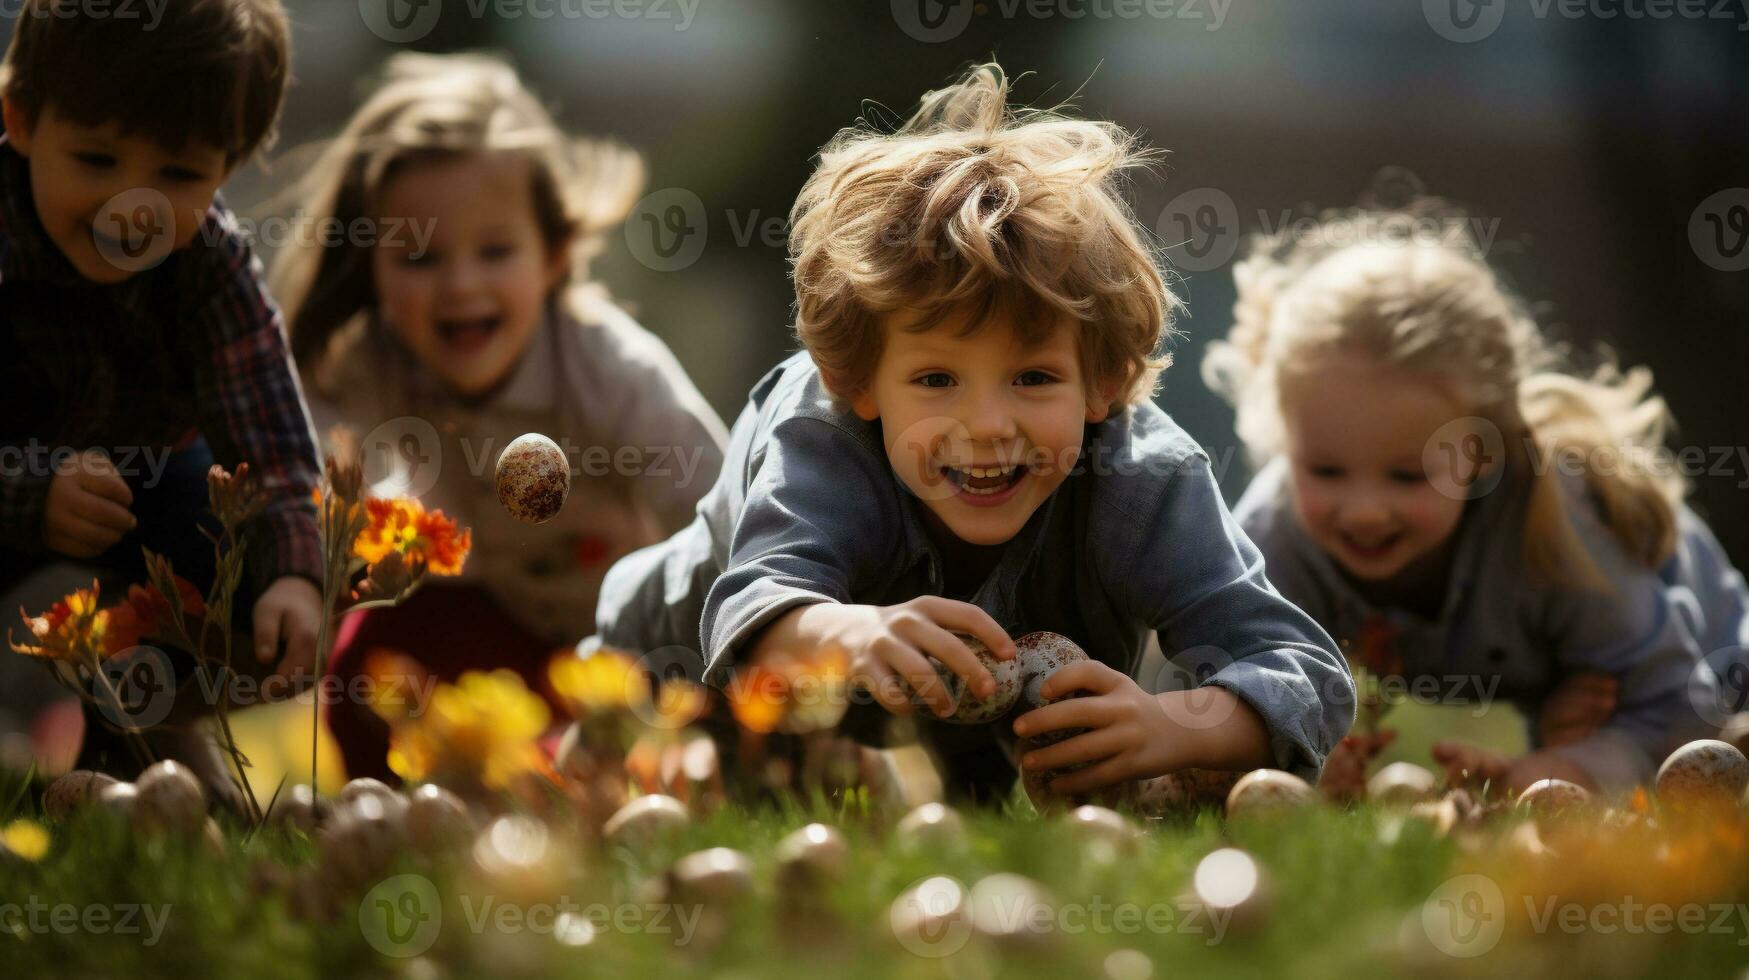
(534, 477)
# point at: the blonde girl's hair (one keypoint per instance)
(1411, 287)
(432, 108)
(986, 211)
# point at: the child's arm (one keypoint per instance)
(1633, 631)
(1263, 666)
(255, 413)
(822, 525)
(888, 646)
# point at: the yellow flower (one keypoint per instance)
(604, 682)
(25, 838)
(482, 728)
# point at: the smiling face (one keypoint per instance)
(467, 303)
(1363, 485)
(981, 428)
(114, 203)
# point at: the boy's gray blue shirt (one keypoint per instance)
(1500, 634)
(808, 510)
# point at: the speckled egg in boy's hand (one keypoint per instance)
(534, 476)
(1040, 655)
(969, 709)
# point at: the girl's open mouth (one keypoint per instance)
(468, 333)
(1377, 548)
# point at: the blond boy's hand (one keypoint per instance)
(290, 611)
(1132, 734)
(890, 646)
(86, 512)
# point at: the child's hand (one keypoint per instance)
(290, 611)
(1344, 775)
(1579, 706)
(87, 507)
(1544, 764)
(1133, 734)
(890, 644)
(1472, 765)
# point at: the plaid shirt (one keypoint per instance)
(195, 342)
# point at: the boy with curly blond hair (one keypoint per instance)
(968, 445)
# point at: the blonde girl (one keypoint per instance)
(463, 318)
(1452, 505)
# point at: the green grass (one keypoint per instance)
(1347, 889)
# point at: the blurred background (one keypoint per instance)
(1602, 146)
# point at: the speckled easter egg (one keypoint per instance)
(1037, 782)
(1553, 798)
(1184, 791)
(170, 797)
(1707, 771)
(969, 709)
(645, 820)
(438, 821)
(1103, 824)
(533, 478)
(1266, 791)
(72, 791)
(1401, 784)
(1040, 655)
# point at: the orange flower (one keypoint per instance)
(401, 525)
(145, 612)
(795, 694)
(758, 697)
(74, 629)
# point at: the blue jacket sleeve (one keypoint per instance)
(1198, 580)
(1630, 629)
(820, 520)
